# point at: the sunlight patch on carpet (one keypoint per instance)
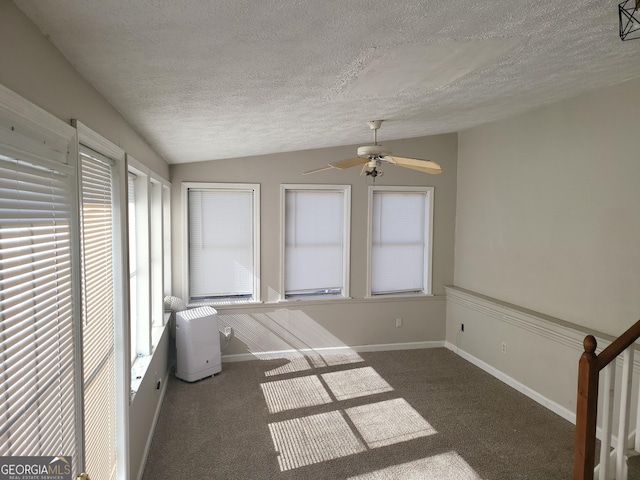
(389, 422)
(313, 439)
(446, 466)
(297, 362)
(282, 395)
(309, 358)
(354, 383)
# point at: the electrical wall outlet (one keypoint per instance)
(227, 331)
(504, 347)
(398, 322)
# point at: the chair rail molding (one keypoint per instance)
(487, 319)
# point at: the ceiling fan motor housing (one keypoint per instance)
(369, 151)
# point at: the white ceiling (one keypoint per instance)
(202, 80)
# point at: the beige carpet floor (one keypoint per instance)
(412, 414)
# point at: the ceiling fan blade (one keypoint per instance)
(426, 166)
(432, 171)
(328, 167)
(349, 162)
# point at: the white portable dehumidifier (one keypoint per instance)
(197, 344)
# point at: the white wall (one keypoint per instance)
(352, 322)
(548, 211)
(548, 219)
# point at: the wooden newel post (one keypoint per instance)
(586, 412)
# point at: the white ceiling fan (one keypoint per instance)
(372, 156)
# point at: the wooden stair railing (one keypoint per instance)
(587, 404)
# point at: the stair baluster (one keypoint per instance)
(607, 421)
(625, 410)
(589, 368)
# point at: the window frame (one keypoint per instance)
(152, 194)
(346, 241)
(186, 281)
(166, 238)
(31, 135)
(89, 138)
(141, 318)
(157, 231)
(428, 248)
(133, 270)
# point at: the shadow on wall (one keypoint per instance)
(291, 335)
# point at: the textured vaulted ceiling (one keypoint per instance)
(202, 80)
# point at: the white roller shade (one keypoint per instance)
(398, 241)
(314, 241)
(221, 243)
(37, 400)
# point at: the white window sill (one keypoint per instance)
(399, 295)
(141, 363)
(330, 301)
(313, 298)
(222, 303)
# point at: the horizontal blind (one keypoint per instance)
(221, 262)
(398, 245)
(314, 241)
(37, 392)
(98, 316)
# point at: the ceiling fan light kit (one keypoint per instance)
(629, 16)
(372, 156)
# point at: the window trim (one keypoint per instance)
(91, 139)
(166, 239)
(156, 248)
(29, 133)
(255, 188)
(346, 240)
(150, 240)
(142, 314)
(428, 267)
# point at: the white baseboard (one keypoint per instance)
(513, 383)
(241, 357)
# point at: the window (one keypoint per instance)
(166, 236)
(133, 264)
(98, 310)
(400, 232)
(104, 285)
(39, 308)
(156, 244)
(36, 310)
(222, 242)
(147, 201)
(316, 240)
